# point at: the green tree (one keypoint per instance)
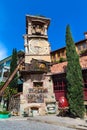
(74, 78)
(13, 65)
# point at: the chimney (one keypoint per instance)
(85, 34)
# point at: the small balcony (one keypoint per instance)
(36, 67)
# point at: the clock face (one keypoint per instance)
(39, 46)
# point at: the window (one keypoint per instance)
(6, 74)
(85, 83)
(59, 85)
(53, 58)
(58, 54)
(84, 46)
(79, 47)
(62, 52)
(38, 84)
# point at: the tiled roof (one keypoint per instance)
(61, 67)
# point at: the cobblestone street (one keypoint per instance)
(24, 124)
(42, 123)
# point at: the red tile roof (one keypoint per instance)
(61, 67)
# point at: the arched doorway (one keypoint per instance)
(35, 111)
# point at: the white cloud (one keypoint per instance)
(3, 51)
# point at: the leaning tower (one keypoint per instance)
(38, 97)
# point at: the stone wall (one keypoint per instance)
(14, 105)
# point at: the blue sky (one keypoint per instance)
(61, 13)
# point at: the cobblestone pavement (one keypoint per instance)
(51, 122)
(18, 123)
(80, 124)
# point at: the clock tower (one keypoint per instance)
(36, 38)
(38, 97)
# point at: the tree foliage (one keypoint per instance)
(74, 78)
(13, 65)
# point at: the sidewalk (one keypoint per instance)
(80, 124)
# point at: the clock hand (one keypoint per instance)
(37, 47)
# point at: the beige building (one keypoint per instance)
(60, 54)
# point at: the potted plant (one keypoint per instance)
(4, 114)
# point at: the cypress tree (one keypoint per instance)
(74, 78)
(13, 65)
